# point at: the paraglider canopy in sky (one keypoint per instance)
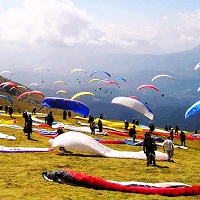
(41, 68)
(148, 86)
(99, 71)
(5, 97)
(81, 94)
(197, 67)
(193, 109)
(162, 75)
(134, 104)
(28, 93)
(66, 104)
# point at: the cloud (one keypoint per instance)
(55, 23)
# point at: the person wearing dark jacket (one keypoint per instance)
(132, 132)
(50, 119)
(100, 125)
(182, 138)
(29, 127)
(149, 148)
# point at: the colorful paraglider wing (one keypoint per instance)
(148, 86)
(66, 104)
(61, 91)
(120, 78)
(193, 109)
(134, 104)
(101, 71)
(75, 178)
(9, 84)
(94, 79)
(28, 93)
(5, 97)
(59, 82)
(81, 94)
(162, 75)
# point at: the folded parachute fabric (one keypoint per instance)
(86, 144)
(81, 179)
(4, 149)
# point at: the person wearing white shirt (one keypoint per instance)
(168, 146)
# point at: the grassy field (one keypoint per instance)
(21, 172)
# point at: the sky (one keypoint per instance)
(32, 29)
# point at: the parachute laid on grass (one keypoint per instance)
(86, 144)
(11, 84)
(81, 94)
(197, 67)
(2, 72)
(7, 98)
(61, 91)
(42, 68)
(80, 179)
(162, 75)
(192, 109)
(62, 82)
(148, 86)
(134, 104)
(66, 104)
(28, 93)
(100, 71)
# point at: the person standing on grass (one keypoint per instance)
(29, 127)
(182, 138)
(132, 133)
(168, 146)
(149, 148)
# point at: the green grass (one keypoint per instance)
(21, 172)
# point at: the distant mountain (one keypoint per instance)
(137, 70)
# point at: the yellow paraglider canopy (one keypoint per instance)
(81, 94)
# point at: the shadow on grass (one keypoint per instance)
(69, 153)
(33, 139)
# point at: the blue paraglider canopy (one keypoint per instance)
(66, 104)
(5, 97)
(193, 109)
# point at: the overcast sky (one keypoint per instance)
(130, 26)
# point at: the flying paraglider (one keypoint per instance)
(197, 67)
(75, 70)
(6, 72)
(120, 78)
(41, 68)
(192, 109)
(162, 75)
(81, 94)
(4, 84)
(5, 97)
(101, 71)
(62, 82)
(33, 84)
(28, 93)
(148, 86)
(134, 104)
(94, 79)
(66, 104)
(61, 91)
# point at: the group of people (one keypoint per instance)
(66, 114)
(93, 126)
